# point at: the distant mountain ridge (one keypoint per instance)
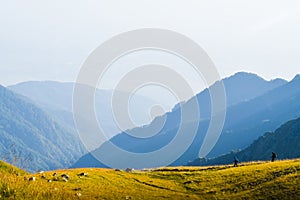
(34, 133)
(57, 98)
(236, 88)
(246, 81)
(47, 94)
(240, 87)
(254, 106)
(284, 141)
(262, 114)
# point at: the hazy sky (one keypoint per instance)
(49, 40)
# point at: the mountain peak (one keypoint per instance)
(297, 77)
(279, 80)
(239, 75)
(246, 78)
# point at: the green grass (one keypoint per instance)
(254, 180)
(7, 168)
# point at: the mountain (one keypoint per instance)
(28, 134)
(240, 105)
(240, 87)
(264, 113)
(56, 99)
(50, 95)
(285, 141)
(248, 120)
(243, 86)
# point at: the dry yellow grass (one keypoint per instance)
(255, 180)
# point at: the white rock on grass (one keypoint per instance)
(78, 194)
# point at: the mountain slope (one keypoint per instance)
(249, 120)
(233, 86)
(285, 141)
(28, 131)
(56, 98)
(240, 87)
(249, 86)
(50, 95)
(10, 169)
(261, 180)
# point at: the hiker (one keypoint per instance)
(235, 161)
(273, 156)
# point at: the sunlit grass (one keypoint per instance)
(253, 180)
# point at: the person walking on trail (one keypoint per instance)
(273, 156)
(235, 161)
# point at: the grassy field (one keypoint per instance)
(256, 180)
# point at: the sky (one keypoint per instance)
(50, 40)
